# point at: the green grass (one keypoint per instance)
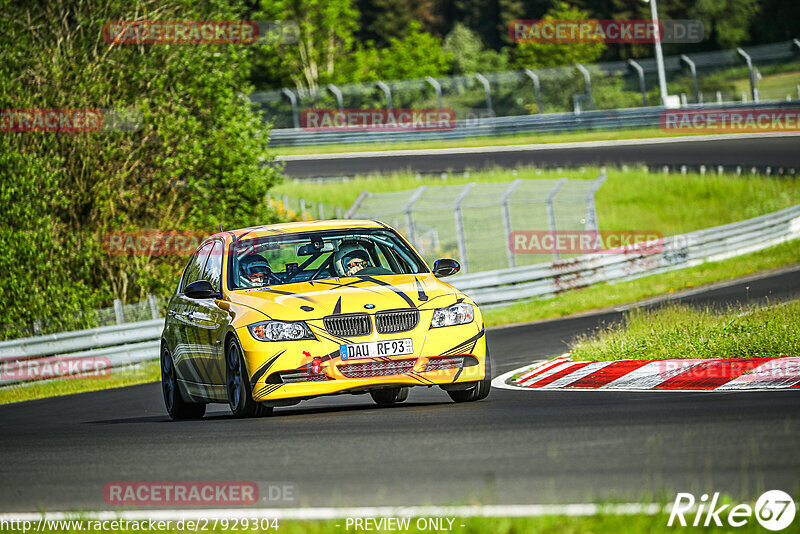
(520, 139)
(551, 524)
(772, 86)
(681, 331)
(631, 199)
(607, 294)
(145, 372)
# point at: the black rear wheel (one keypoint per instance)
(389, 395)
(240, 396)
(479, 390)
(177, 408)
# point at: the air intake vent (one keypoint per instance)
(348, 325)
(377, 368)
(391, 322)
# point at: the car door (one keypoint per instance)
(181, 313)
(207, 322)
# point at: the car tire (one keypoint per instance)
(389, 395)
(479, 390)
(237, 385)
(177, 408)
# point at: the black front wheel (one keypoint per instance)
(240, 396)
(177, 408)
(479, 389)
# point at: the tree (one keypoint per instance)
(529, 55)
(196, 158)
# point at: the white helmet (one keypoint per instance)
(348, 251)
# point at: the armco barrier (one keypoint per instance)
(611, 119)
(136, 342)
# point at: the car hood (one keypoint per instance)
(314, 300)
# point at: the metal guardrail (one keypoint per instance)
(137, 342)
(678, 252)
(612, 119)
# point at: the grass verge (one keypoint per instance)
(681, 331)
(521, 139)
(611, 294)
(129, 376)
(550, 524)
(632, 199)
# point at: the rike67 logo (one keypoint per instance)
(774, 510)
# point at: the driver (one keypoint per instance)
(350, 259)
(254, 271)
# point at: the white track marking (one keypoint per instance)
(330, 513)
(577, 375)
(778, 373)
(529, 147)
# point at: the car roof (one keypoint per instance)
(301, 226)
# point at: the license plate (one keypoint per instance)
(376, 349)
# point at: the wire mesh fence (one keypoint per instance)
(151, 308)
(474, 222)
(697, 78)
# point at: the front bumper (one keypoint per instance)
(286, 370)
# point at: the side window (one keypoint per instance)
(213, 269)
(195, 267)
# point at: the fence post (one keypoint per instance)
(118, 313)
(551, 216)
(749, 61)
(488, 90)
(640, 72)
(412, 234)
(462, 242)
(303, 209)
(588, 78)
(293, 100)
(321, 212)
(354, 208)
(512, 260)
(153, 301)
(285, 201)
(438, 88)
(338, 212)
(684, 58)
(338, 94)
(591, 206)
(387, 91)
(536, 87)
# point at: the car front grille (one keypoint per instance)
(348, 325)
(391, 322)
(438, 363)
(377, 368)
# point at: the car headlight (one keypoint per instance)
(280, 331)
(461, 313)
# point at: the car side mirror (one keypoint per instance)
(201, 289)
(445, 267)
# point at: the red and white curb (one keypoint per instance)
(718, 374)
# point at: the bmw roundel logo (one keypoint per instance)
(369, 306)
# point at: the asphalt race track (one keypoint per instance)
(748, 151)
(514, 447)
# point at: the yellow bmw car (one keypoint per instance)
(272, 315)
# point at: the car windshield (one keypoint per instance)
(303, 257)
